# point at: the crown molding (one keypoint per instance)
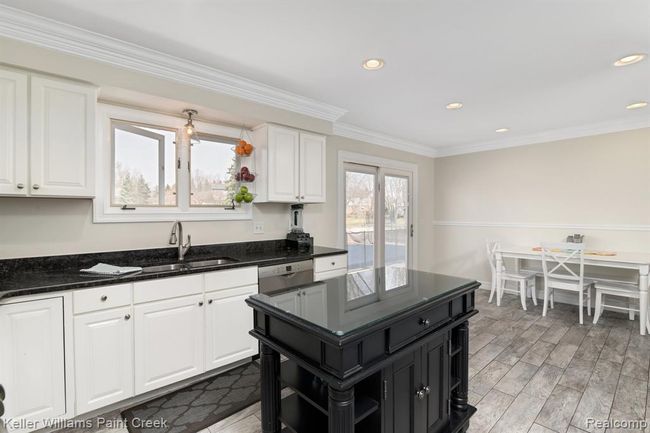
(546, 136)
(357, 133)
(44, 32)
(564, 226)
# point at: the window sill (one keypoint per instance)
(102, 214)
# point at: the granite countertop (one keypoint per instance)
(36, 275)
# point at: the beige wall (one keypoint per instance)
(601, 180)
(34, 227)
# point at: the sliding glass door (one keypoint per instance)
(378, 218)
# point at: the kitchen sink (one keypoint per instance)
(164, 268)
(213, 262)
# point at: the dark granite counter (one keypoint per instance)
(36, 275)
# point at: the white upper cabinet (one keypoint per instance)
(58, 158)
(62, 138)
(13, 133)
(312, 168)
(290, 165)
(283, 164)
(32, 360)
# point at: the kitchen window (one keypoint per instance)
(149, 170)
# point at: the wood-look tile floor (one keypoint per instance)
(534, 374)
(537, 374)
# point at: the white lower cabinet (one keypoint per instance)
(310, 302)
(169, 341)
(32, 360)
(228, 321)
(103, 358)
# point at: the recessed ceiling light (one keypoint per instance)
(454, 106)
(629, 60)
(372, 64)
(636, 105)
(502, 130)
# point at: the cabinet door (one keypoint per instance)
(289, 302)
(13, 133)
(169, 342)
(435, 375)
(283, 163)
(103, 358)
(312, 168)
(62, 138)
(313, 304)
(228, 321)
(403, 413)
(32, 363)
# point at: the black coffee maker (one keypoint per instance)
(297, 238)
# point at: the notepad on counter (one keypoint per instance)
(104, 269)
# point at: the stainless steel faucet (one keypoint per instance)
(174, 239)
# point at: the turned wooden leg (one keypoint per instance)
(341, 411)
(459, 396)
(270, 364)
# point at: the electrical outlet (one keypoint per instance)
(258, 228)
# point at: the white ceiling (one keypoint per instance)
(532, 66)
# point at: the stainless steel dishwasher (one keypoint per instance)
(277, 278)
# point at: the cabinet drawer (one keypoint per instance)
(329, 263)
(320, 276)
(411, 328)
(230, 278)
(166, 288)
(102, 298)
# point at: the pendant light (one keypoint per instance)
(190, 130)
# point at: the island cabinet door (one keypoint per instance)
(402, 410)
(435, 378)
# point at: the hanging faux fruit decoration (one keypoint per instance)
(243, 148)
(243, 195)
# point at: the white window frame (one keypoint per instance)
(390, 167)
(103, 212)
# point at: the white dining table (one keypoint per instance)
(639, 262)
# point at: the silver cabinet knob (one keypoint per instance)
(302, 197)
(20, 186)
(427, 390)
(127, 317)
(425, 322)
(201, 304)
(104, 298)
(297, 196)
(420, 394)
(210, 301)
(36, 186)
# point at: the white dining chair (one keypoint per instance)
(619, 289)
(556, 258)
(524, 280)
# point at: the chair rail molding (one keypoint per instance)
(520, 225)
(34, 29)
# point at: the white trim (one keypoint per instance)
(357, 133)
(48, 33)
(103, 212)
(610, 227)
(360, 158)
(545, 137)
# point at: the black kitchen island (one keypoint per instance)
(380, 351)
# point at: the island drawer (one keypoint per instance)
(101, 298)
(409, 329)
(329, 263)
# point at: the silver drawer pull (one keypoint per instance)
(425, 322)
(20, 186)
(36, 186)
(104, 298)
(127, 317)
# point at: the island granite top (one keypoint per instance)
(363, 298)
(36, 275)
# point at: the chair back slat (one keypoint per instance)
(492, 247)
(556, 258)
